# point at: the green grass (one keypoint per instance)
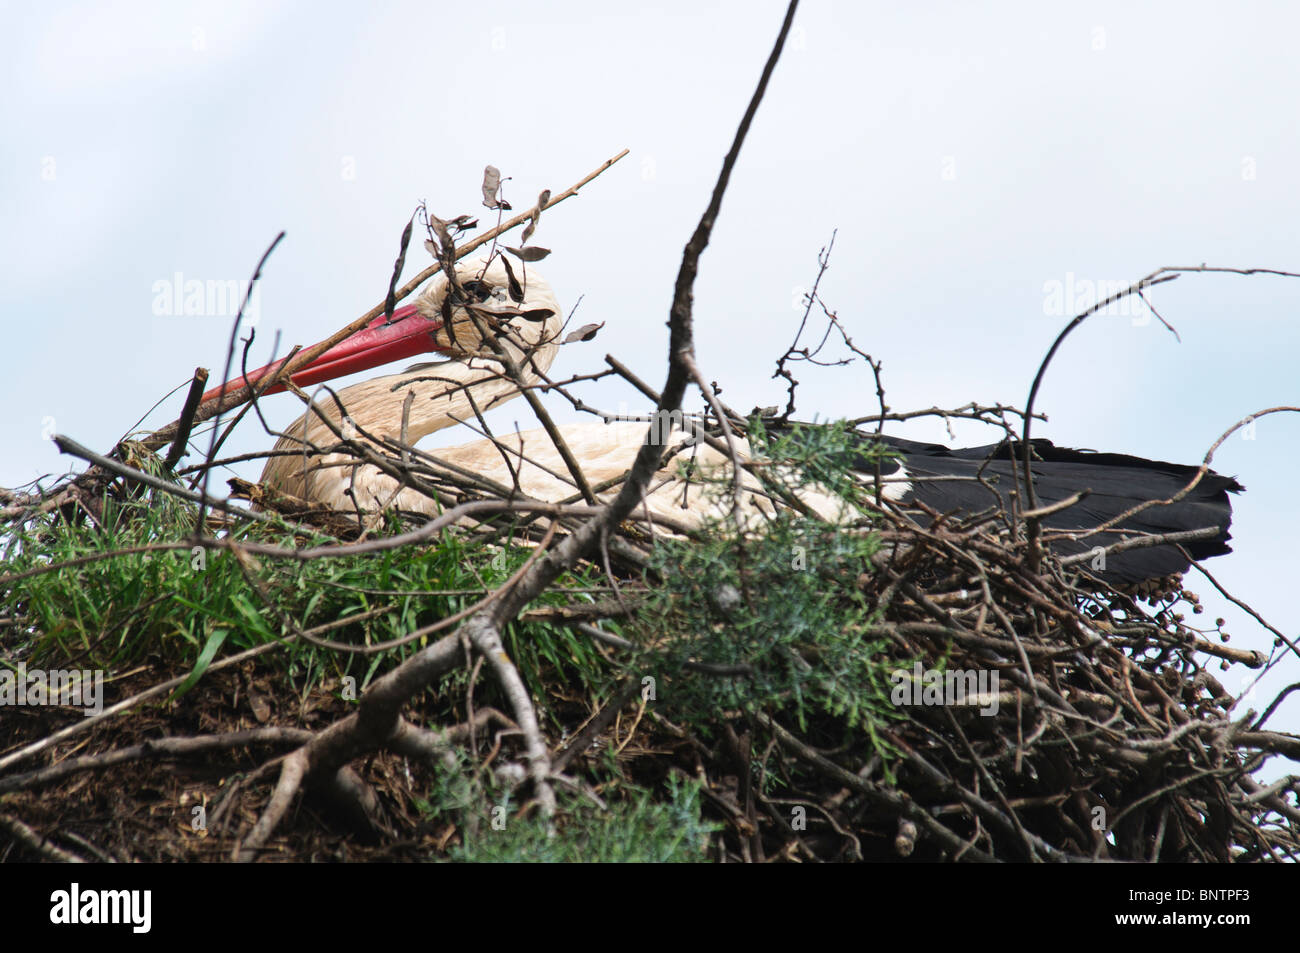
(181, 605)
(786, 605)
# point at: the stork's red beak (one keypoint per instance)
(375, 345)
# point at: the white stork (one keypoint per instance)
(474, 376)
(525, 327)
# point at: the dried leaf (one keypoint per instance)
(440, 229)
(537, 214)
(447, 317)
(491, 182)
(538, 314)
(500, 311)
(516, 292)
(535, 253)
(584, 333)
(432, 248)
(390, 301)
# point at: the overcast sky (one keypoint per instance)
(983, 163)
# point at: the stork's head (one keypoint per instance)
(511, 301)
(449, 318)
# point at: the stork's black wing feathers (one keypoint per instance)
(1117, 483)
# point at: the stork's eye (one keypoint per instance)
(478, 290)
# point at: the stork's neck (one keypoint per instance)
(443, 392)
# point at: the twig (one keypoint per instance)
(186, 421)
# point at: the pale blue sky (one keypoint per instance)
(969, 154)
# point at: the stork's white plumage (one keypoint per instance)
(1127, 496)
(446, 393)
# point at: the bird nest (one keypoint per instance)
(1046, 717)
(1034, 713)
(986, 705)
